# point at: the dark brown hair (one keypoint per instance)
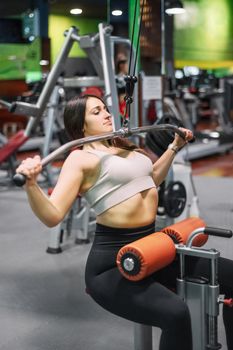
(74, 118)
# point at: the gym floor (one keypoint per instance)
(43, 304)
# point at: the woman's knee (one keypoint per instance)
(178, 316)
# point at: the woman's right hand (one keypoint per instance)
(31, 168)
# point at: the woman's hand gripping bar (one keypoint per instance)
(20, 179)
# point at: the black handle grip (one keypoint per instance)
(220, 232)
(19, 180)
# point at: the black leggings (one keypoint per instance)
(150, 301)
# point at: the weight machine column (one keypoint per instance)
(109, 75)
(142, 337)
(213, 308)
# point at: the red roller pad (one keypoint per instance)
(12, 145)
(180, 231)
(152, 252)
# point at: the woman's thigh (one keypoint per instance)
(146, 301)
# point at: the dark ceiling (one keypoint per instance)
(91, 8)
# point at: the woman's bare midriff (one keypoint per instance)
(139, 210)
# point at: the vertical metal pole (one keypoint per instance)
(109, 76)
(56, 69)
(163, 48)
(213, 310)
(142, 337)
(52, 113)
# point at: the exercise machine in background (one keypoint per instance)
(201, 98)
(100, 50)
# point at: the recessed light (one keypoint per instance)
(117, 12)
(44, 62)
(76, 11)
(175, 11)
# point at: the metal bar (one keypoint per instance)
(134, 106)
(109, 76)
(20, 179)
(193, 235)
(5, 104)
(82, 82)
(201, 253)
(56, 69)
(78, 143)
(123, 132)
(36, 111)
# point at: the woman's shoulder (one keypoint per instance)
(82, 159)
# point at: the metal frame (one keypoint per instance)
(99, 49)
(19, 179)
(78, 224)
(202, 298)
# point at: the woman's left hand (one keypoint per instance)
(179, 141)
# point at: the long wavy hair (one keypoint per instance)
(74, 118)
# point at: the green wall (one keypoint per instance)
(204, 34)
(20, 61)
(202, 37)
(57, 26)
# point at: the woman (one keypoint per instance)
(120, 183)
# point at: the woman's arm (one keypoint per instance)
(162, 165)
(52, 210)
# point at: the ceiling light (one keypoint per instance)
(117, 12)
(174, 7)
(76, 11)
(44, 62)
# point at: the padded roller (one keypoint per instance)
(149, 254)
(180, 231)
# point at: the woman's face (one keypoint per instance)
(97, 119)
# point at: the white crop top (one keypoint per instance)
(119, 179)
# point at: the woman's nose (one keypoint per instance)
(108, 115)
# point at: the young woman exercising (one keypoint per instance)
(120, 183)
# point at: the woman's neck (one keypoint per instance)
(98, 145)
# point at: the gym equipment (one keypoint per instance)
(182, 106)
(174, 199)
(80, 221)
(141, 258)
(201, 295)
(19, 179)
(26, 140)
(186, 102)
(99, 48)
